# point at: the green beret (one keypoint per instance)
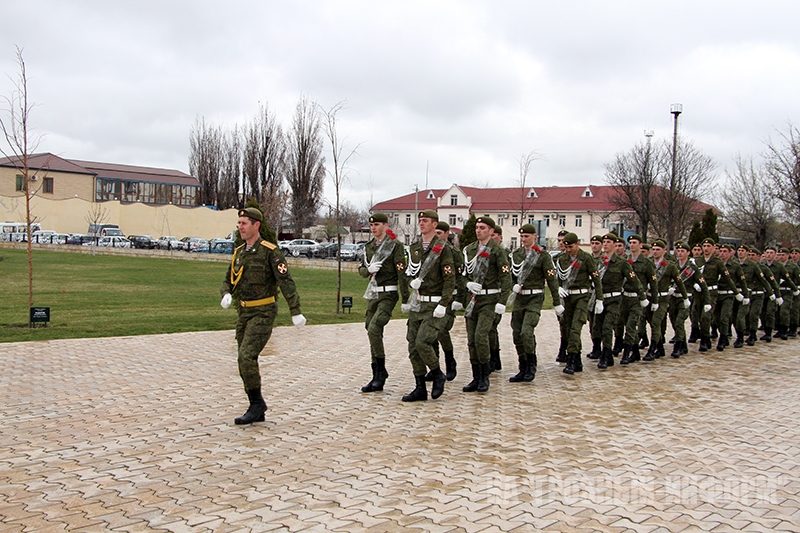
(784, 250)
(755, 250)
(251, 212)
(530, 229)
(743, 246)
(797, 250)
(379, 217)
(635, 236)
(596, 238)
(570, 238)
(645, 246)
(443, 226)
(562, 233)
(498, 229)
(697, 245)
(770, 247)
(485, 220)
(728, 247)
(661, 243)
(709, 240)
(429, 213)
(680, 245)
(610, 237)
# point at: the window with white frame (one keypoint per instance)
(499, 220)
(408, 219)
(578, 221)
(452, 220)
(531, 220)
(515, 220)
(606, 222)
(513, 243)
(562, 221)
(453, 199)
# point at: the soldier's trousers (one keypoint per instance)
(705, 318)
(421, 334)
(576, 311)
(657, 321)
(768, 314)
(444, 332)
(753, 312)
(479, 325)
(784, 316)
(494, 339)
(678, 313)
(740, 312)
(603, 324)
(253, 330)
(628, 325)
(723, 312)
(794, 319)
(379, 312)
(524, 320)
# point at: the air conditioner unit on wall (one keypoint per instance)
(554, 215)
(34, 177)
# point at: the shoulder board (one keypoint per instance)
(268, 244)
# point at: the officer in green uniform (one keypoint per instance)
(668, 282)
(442, 231)
(432, 276)
(494, 339)
(647, 313)
(489, 284)
(257, 270)
(679, 307)
(562, 328)
(715, 273)
(787, 289)
(615, 275)
(767, 313)
(759, 287)
(384, 262)
(632, 312)
(723, 312)
(531, 268)
(793, 273)
(596, 249)
(577, 278)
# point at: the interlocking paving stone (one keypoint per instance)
(137, 434)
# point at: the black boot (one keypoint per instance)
(751, 340)
(255, 413)
(705, 343)
(651, 353)
(693, 335)
(626, 355)
(368, 386)
(577, 364)
(596, 349)
(429, 375)
(530, 368)
(605, 355)
(617, 347)
(562, 352)
(677, 349)
(660, 349)
(713, 332)
(644, 343)
(767, 336)
(438, 383)
(739, 342)
(472, 386)
(672, 340)
(783, 333)
(379, 375)
(494, 362)
(684, 348)
(420, 393)
(483, 383)
(570, 368)
(635, 355)
(792, 330)
(609, 358)
(722, 342)
(520, 376)
(450, 365)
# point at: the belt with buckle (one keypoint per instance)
(578, 291)
(528, 292)
(257, 303)
(611, 294)
(386, 288)
(488, 291)
(723, 293)
(430, 298)
(631, 294)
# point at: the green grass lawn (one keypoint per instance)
(104, 296)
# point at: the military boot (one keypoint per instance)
(644, 343)
(722, 342)
(254, 413)
(472, 386)
(380, 375)
(677, 349)
(705, 343)
(739, 342)
(605, 355)
(562, 352)
(792, 330)
(783, 333)
(530, 368)
(713, 332)
(494, 361)
(570, 368)
(368, 386)
(577, 364)
(751, 340)
(609, 358)
(519, 376)
(767, 336)
(420, 392)
(596, 349)
(617, 346)
(483, 383)
(660, 349)
(450, 365)
(693, 335)
(635, 355)
(429, 375)
(438, 383)
(626, 354)
(651, 353)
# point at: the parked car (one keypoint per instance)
(351, 252)
(191, 243)
(144, 242)
(43, 236)
(110, 242)
(325, 250)
(299, 247)
(220, 246)
(168, 242)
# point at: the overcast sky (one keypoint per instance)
(464, 88)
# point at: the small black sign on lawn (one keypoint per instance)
(39, 315)
(347, 303)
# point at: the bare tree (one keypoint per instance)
(16, 130)
(749, 205)
(205, 160)
(339, 176)
(633, 177)
(264, 164)
(783, 168)
(230, 171)
(305, 164)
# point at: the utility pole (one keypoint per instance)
(676, 110)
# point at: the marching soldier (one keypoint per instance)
(759, 287)
(723, 312)
(668, 282)
(494, 340)
(442, 231)
(384, 263)
(793, 273)
(489, 282)
(714, 273)
(562, 348)
(787, 289)
(432, 276)
(794, 323)
(767, 313)
(257, 270)
(577, 277)
(596, 246)
(531, 268)
(678, 309)
(646, 272)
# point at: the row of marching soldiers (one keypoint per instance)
(619, 292)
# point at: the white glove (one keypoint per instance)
(559, 309)
(299, 321)
(697, 287)
(474, 287)
(644, 303)
(739, 297)
(598, 307)
(516, 288)
(772, 297)
(415, 283)
(796, 293)
(499, 309)
(779, 301)
(653, 307)
(456, 306)
(374, 267)
(687, 303)
(707, 308)
(439, 311)
(226, 300)
(405, 308)
(563, 292)
(671, 290)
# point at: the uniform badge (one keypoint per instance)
(505, 269)
(632, 274)
(551, 273)
(447, 270)
(595, 273)
(400, 267)
(655, 278)
(282, 268)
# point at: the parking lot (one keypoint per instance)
(137, 434)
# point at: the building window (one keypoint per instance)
(578, 221)
(408, 219)
(515, 220)
(606, 222)
(531, 220)
(407, 239)
(20, 183)
(513, 243)
(47, 185)
(453, 199)
(562, 221)
(546, 222)
(499, 219)
(396, 219)
(452, 220)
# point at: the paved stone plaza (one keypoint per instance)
(137, 434)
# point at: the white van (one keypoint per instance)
(17, 231)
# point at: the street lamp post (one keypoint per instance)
(675, 109)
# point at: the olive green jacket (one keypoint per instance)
(541, 273)
(646, 272)
(668, 275)
(392, 270)
(616, 275)
(440, 280)
(714, 272)
(587, 274)
(782, 277)
(498, 272)
(754, 277)
(691, 276)
(737, 275)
